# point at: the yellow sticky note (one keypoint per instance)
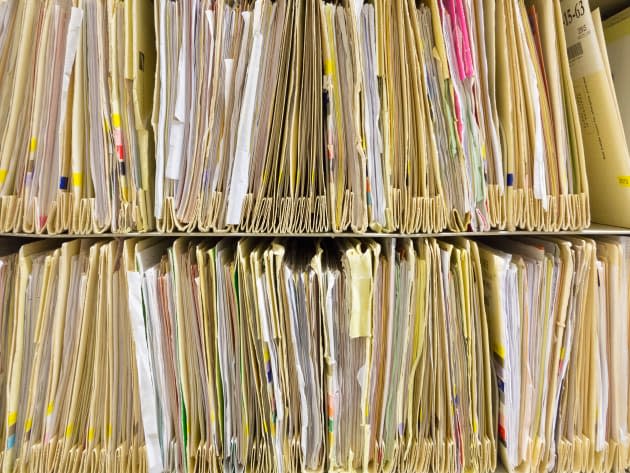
(12, 418)
(90, 434)
(624, 181)
(3, 175)
(116, 120)
(499, 350)
(33, 145)
(69, 430)
(328, 67)
(50, 408)
(76, 179)
(28, 424)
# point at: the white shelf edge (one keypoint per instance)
(593, 230)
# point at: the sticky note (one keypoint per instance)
(76, 179)
(624, 181)
(328, 67)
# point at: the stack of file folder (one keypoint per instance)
(602, 105)
(288, 116)
(76, 148)
(70, 399)
(558, 317)
(158, 355)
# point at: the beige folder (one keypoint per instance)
(43, 183)
(605, 147)
(30, 256)
(17, 98)
(424, 203)
(612, 254)
(141, 65)
(343, 82)
(92, 153)
(38, 315)
(182, 256)
(256, 406)
(444, 149)
(69, 422)
(209, 299)
(482, 387)
(8, 264)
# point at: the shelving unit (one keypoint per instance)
(389, 114)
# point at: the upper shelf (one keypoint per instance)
(594, 230)
(608, 7)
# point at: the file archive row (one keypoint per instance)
(155, 355)
(288, 116)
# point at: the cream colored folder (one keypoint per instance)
(35, 103)
(482, 389)
(342, 81)
(444, 148)
(138, 258)
(258, 418)
(32, 449)
(8, 264)
(14, 136)
(44, 182)
(74, 420)
(418, 448)
(140, 70)
(576, 409)
(616, 30)
(612, 256)
(29, 277)
(606, 151)
(378, 195)
(92, 166)
(187, 315)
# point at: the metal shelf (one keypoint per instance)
(593, 230)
